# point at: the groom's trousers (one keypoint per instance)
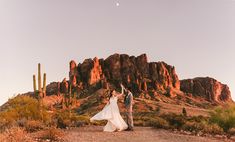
(129, 117)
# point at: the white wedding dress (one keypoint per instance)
(111, 113)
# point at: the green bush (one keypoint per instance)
(174, 120)
(193, 126)
(80, 120)
(225, 118)
(184, 112)
(66, 119)
(199, 118)
(62, 119)
(158, 122)
(202, 127)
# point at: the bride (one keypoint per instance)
(111, 113)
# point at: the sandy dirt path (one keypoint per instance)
(141, 134)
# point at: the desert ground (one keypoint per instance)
(140, 134)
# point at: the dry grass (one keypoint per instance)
(15, 134)
(48, 134)
(34, 125)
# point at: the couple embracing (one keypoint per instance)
(111, 112)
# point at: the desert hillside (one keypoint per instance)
(60, 111)
(155, 82)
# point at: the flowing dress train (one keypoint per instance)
(111, 113)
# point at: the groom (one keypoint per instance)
(128, 101)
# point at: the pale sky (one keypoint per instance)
(196, 36)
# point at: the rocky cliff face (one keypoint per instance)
(208, 88)
(148, 79)
(135, 72)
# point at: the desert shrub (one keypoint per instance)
(193, 126)
(203, 126)
(189, 101)
(158, 122)
(174, 120)
(20, 109)
(101, 123)
(15, 134)
(225, 118)
(212, 129)
(151, 121)
(5, 124)
(167, 94)
(24, 107)
(51, 134)
(158, 110)
(80, 120)
(184, 112)
(199, 118)
(66, 119)
(62, 119)
(139, 122)
(34, 125)
(145, 118)
(231, 131)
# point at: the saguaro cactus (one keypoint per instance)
(34, 84)
(39, 91)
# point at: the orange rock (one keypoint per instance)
(95, 72)
(208, 88)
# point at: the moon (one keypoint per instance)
(117, 4)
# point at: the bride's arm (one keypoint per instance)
(119, 95)
(123, 89)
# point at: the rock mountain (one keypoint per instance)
(149, 80)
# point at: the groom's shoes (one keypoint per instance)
(129, 129)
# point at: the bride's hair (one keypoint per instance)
(111, 93)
